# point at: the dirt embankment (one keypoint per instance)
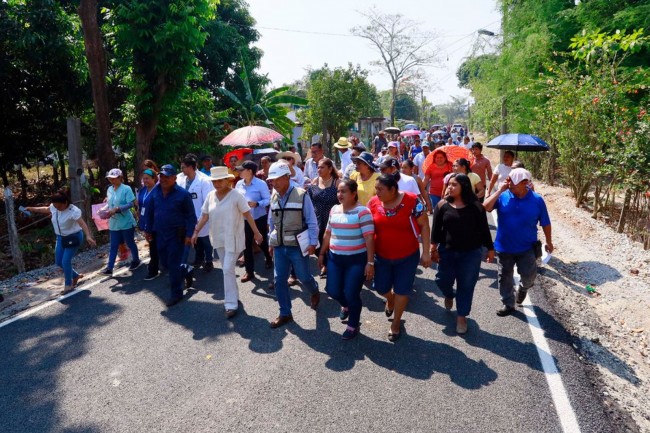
(612, 325)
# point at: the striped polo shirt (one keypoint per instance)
(347, 229)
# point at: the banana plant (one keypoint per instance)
(254, 106)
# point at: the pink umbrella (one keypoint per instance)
(251, 136)
(409, 133)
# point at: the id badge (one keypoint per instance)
(142, 212)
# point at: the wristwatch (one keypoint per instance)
(371, 263)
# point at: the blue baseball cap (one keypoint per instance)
(168, 170)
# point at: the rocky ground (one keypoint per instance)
(611, 325)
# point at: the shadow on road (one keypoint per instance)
(35, 352)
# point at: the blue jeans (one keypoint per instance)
(462, 267)
(116, 238)
(434, 200)
(63, 258)
(345, 277)
(285, 258)
(527, 269)
(203, 250)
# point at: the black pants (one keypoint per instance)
(153, 267)
(249, 256)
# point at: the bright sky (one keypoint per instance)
(293, 40)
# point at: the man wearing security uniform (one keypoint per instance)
(291, 213)
(199, 186)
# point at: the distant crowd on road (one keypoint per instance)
(366, 219)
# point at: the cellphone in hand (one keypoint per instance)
(25, 211)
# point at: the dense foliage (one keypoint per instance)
(578, 76)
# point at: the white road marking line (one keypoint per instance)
(43, 306)
(559, 395)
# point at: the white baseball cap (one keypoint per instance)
(518, 175)
(114, 173)
(278, 169)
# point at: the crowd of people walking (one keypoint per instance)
(365, 219)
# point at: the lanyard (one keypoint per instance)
(146, 194)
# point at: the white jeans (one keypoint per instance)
(230, 290)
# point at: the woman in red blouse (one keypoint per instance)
(399, 218)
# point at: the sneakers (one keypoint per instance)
(350, 333)
(189, 279)
(505, 311)
(521, 295)
(107, 272)
(135, 265)
(152, 276)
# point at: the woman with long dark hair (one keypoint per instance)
(399, 219)
(461, 165)
(69, 228)
(460, 230)
(349, 243)
(323, 194)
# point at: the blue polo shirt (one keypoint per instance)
(165, 215)
(518, 219)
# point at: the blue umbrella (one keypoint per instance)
(519, 142)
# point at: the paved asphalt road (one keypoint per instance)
(114, 359)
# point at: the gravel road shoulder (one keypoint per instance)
(610, 326)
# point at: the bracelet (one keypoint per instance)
(371, 263)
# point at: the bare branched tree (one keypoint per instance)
(403, 46)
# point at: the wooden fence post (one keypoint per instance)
(12, 231)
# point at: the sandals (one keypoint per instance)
(67, 290)
(387, 312)
(394, 336)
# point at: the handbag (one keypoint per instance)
(68, 241)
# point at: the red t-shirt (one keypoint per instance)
(437, 175)
(396, 230)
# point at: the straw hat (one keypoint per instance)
(296, 157)
(343, 143)
(218, 173)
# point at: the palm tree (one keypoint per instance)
(255, 107)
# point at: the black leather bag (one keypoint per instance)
(73, 240)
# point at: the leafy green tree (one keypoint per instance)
(158, 43)
(256, 106)
(41, 80)
(337, 98)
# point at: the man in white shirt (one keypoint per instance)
(294, 160)
(311, 164)
(406, 183)
(420, 157)
(199, 186)
(343, 145)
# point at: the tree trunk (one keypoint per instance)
(624, 211)
(96, 57)
(145, 132)
(23, 183)
(55, 175)
(392, 103)
(64, 176)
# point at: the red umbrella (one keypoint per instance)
(453, 153)
(251, 136)
(239, 153)
(409, 133)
